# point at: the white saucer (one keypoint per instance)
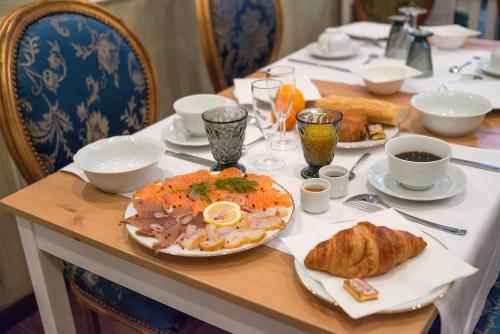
(485, 67)
(450, 185)
(175, 135)
(315, 51)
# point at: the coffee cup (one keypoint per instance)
(315, 195)
(417, 162)
(333, 40)
(495, 60)
(338, 177)
(190, 108)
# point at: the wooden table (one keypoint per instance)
(62, 217)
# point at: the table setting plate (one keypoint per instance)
(315, 51)
(485, 67)
(315, 288)
(390, 132)
(453, 183)
(410, 285)
(178, 251)
(173, 134)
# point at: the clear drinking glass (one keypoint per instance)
(413, 12)
(225, 127)
(264, 96)
(284, 105)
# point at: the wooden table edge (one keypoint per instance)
(163, 270)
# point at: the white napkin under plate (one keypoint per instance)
(415, 278)
(367, 30)
(243, 89)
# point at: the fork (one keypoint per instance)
(372, 203)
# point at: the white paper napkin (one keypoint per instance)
(369, 30)
(415, 278)
(243, 89)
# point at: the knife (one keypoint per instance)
(319, 65)
(191, 158)
(476, 164)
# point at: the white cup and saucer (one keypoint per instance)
(333, 43)
(186, 128)
(492, 67)
(417, 168)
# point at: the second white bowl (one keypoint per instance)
(451, 113)
(120, 164)
(385, 77)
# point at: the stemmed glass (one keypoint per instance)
(284, 105)
(264, 96)
(413, 12)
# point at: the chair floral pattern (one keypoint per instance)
(245, 32)
(77, 81)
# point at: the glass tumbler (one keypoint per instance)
(399, 40)
(420, 54)
(319, 132)
(225, 127)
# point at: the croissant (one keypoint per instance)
(364, 250)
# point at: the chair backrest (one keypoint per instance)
(238, 36)
(375, 10)
(71, 74)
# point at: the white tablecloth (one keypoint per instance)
(442, 60)
(477, 209)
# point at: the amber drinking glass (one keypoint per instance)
(319, 131)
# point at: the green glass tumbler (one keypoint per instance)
(319, 132)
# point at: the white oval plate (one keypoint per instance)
(315, 51)
(390, 131)
(453, 183)
(319, 291)
(177, 250)
(173, 134)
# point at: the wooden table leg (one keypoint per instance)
(48, 283)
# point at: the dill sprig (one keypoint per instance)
(201, 189)
(236, 184)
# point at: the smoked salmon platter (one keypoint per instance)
(204, 214)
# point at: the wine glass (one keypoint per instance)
(413, 12)
(264, 95)
(284, 104)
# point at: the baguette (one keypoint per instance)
(377, 111)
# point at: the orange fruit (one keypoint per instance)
(283, 98)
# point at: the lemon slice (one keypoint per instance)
(222, 213)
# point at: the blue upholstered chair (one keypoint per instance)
(71, 74)
(238, 36)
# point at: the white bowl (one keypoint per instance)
(385, 77)
(451, 113)
(417, 175)
(120, 164)
(450, 36)
(190, 108)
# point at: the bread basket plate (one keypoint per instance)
(390, 132)
(317, 290)
(178, 251)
